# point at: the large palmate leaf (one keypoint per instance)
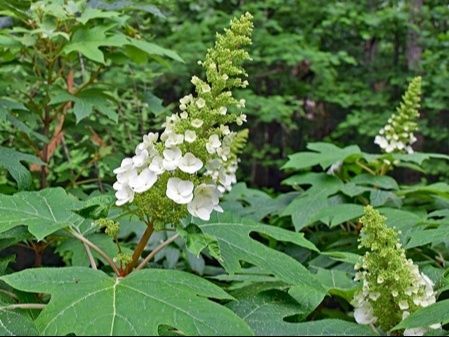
(12, 160)
(43, 212)
(265, 313)
(324, 154)
(236, 245)
(89, 302)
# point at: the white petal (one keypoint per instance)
(157, 165)
(124, 195)
(364, 314)
(190, 164)
(180, 191)
(144, 181)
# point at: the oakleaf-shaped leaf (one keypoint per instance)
(89, 302)
(235, 244)
(44, 212)
(12, 160)
(266, 311)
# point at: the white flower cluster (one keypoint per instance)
(420, 293)
(156, 156)
(193, 161)
(397, 135)
(393, 142)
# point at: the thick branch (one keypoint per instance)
(140, 248)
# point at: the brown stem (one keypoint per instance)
(139, 248)
(44, 153)
(38, 249)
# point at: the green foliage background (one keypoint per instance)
(78, 92)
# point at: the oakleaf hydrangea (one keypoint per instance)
(187, 167)
(392, 285)
(398, 134)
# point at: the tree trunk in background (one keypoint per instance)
(413, 54)
(414, 49)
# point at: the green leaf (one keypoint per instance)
(401, 219)
(13, 236)
(6, 106)
(94, 13)
(89, 302)
(265, 313)
(13, 323)
(346, 257)
(380, 198)
(12, 160)
(383, 182)
(304, 208)
(154, 49)
(424, 317)
(418, 157)
(335, 215)
(8, 42)
(324, 154)
(337, 282)
(86, 102)
(4, 262)
(88, 40)
(255, 204)
(236, 245)
(43, 212)
(424, 237)
(439, 188)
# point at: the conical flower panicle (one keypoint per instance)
(193, 161)
(398, 134)
(392, 285)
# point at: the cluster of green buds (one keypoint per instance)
(112, 228)
(398, 134)
(392, 285)
(193, 161)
